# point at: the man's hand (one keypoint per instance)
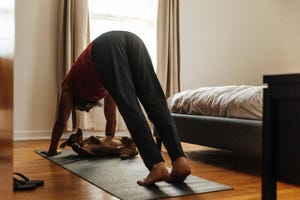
(65, 108)
(51, 153)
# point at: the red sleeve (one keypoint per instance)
(82, 80)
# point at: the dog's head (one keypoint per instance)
(74, 138)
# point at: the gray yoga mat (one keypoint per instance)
(118, 177)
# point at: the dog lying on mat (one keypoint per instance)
(101, 145)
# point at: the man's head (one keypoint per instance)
(84, 105)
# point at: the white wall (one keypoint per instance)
(292, 35)
(236, 42)
(35, 67)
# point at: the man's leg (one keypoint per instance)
(153, 99)
(110, 57)
(151, 96)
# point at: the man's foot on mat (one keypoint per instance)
(181, 170)
(158, 173)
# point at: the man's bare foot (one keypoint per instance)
(180, 171)
(158, 173)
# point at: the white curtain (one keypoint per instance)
(168, 54)
(73, 37)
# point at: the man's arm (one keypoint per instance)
(110, 116)
(65, 108)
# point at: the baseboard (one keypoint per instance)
(32, 134)
(46, 134)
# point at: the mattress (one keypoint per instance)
(243, 101)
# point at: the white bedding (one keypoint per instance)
(226, 101)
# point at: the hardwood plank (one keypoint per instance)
(221, 166)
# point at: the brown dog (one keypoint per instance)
(101, 146)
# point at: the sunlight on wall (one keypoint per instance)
(121, 15)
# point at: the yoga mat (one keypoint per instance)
(118, 177)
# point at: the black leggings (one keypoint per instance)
(125, 67)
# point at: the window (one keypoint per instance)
(7, 34)
(136, 16)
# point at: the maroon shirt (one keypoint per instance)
(82, 80)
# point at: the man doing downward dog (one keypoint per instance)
(116, 66)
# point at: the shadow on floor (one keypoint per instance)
(227, 160)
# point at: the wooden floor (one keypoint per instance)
(242, 174)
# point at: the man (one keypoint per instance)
(116, 66)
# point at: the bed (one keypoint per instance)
(227, 117)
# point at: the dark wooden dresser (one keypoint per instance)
(281, 132)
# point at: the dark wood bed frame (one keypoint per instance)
(241, 136)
